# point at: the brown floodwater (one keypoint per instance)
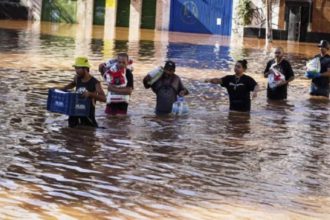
(273, 163)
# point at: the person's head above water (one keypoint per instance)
(240, 67)
(324, 47)
(122, 60)
(81, 66)
(278, 53)
(169, 68)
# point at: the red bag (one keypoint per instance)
(116, 77)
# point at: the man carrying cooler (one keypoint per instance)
(89, 87)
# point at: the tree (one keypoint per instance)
(247, 12)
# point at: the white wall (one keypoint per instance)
(163, 13)
(237, 29)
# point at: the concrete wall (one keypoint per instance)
(237, 29)
(110, 19)
(163, 14)
(135, 20)
(85, 10)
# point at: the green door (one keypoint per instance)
(148, 18)
(99, 12)
(59, 11)
(123, 10)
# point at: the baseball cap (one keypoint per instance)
(170, 65)
(324, 44)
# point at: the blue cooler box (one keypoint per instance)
(68, 103)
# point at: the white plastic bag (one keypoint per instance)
(314, 65)
(313, 68)
(117, 98)
(180, 107)
(155, 74)
(113, 97)
(275, 78)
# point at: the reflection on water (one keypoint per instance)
(193, 56)
(213, 164)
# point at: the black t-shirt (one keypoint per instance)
(320, 85)
(281, 92)
(130, 79)
(239, 90)
(90, 86)
(167, 90)
(130, 83)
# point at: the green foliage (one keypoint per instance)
(245, 12)
(59, 11)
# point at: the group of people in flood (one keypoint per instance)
(168, 86)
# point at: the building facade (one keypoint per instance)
(294, 20)
(194, 16)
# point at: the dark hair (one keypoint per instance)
(243, 63)
(86, 68)
(123, 55)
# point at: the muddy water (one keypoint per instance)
(212, 164)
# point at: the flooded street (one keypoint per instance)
(213, 164)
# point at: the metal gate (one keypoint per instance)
(207, 16)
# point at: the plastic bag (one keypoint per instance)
(116, 77)
(180, 107)
(313, 68)
(155, 74)
(112, 63)
(117, 98)
(275, 78)
(119, 80)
